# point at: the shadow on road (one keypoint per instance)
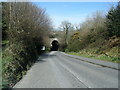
(43, 57)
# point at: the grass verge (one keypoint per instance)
(97, 57)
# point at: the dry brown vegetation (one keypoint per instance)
(98, 35)
(25, 29)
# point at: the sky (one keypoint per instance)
(74, 12)
(59, 0)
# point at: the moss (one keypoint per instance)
(4, 42)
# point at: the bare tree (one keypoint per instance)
(27, 27)
(66, 26)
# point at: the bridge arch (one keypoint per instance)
(54, 45)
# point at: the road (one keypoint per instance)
(57, 70)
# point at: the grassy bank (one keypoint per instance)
(105, 57)
(16, 60)
(98, 57)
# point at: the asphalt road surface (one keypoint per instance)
(57, 70)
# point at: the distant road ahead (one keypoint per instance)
(57, 70)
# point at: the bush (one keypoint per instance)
(98, 34)
(24, 28)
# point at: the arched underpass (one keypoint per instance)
(55, 45)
